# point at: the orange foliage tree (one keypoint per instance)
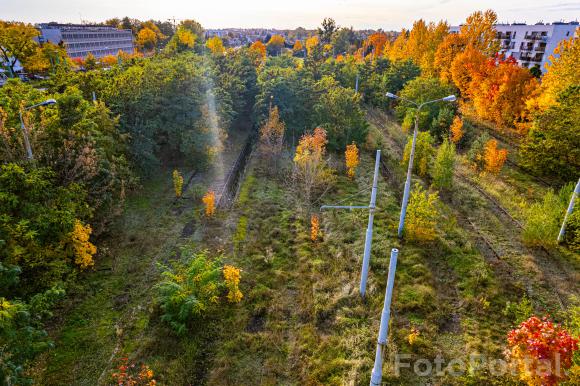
(297, 46)
(109, 60)
(377, 40)
(314, 227)
(351, 159)
(456, 130)
(259, 48)
(209, 201)
(494, 157)
(310, 168)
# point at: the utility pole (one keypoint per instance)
(356, 84)
(575, 193)
(369, 234)
(377, 373)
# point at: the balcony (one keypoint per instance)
(535, 37)
(501, 36)
(526, 48)
(541, 49)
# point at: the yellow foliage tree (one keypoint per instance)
(232, 280)
(177, 183)
(351, 159)
(479, 31)
(422, 215)
(494, 157)
(83, 249)
(314, 227)
(109, 60)
(311, 43)
(259, 48)
(215, 45)
(209, 201)
(456, 130)
(451, 46)
(146, 39)
(276, 42)
(562, 72)
(17, 43)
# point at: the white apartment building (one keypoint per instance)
(531, 45)
(80, 40)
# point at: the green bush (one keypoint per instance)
(476, 153)
(189, 289)
(423, 153)
(416, 297)
(543, 219)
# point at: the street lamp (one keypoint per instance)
(450, 98)
(23, 127)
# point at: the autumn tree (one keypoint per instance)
(311, 172)
(183, 39)
(298, 47)
(311, 44)
(194, 27)
(351, 159)
(83, 249)
(421, 219)
(215, 45)
(563, 71)
(398, 50)
(480, 33)
(48, 57)
(451, 46)
(16, 43)
(456, 130)
(377, 41)
(259, 48)
(271, 137)
(209, 201)
(275, 44)
(494, 157)
(444, 165)
(314, 227)
(146, 39)
(232, 282)
(468, 69)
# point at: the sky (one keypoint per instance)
(282, 14)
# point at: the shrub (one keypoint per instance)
(177, 183)
(541, 351)
(422, 215)
(494, 157)
(189, 289)
(476, 154)
(209, 202)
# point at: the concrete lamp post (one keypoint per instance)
(450, 98)
(25, 131)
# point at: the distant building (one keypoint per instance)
(80, 39)
(531, 44)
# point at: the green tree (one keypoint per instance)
(16, 43)
(444, 165)
(327, 30)
(338, 110)
(423, 153)
(476, 153)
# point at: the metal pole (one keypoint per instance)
(369, 236)
(409, 173)
(377, 373)
(25, 135)
(575, 193)
(356, 84)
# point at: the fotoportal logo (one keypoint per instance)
(474, 363)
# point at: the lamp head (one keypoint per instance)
(391, 95)
(48, 102)
(450, 98)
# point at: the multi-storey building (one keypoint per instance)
(79, 40)
(531, 45)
